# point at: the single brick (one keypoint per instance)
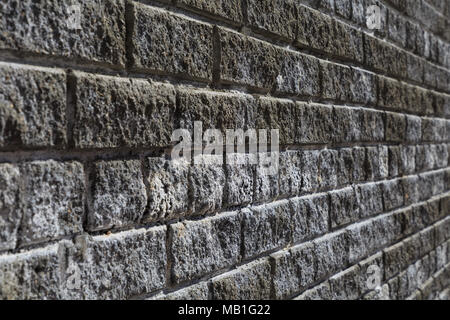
(168, 183)
(384, 57)
(395, 127)
(163, 42)
(310, 167)
(407, 164)
(316, 123)
(410, 186)
(346, 166)
(328, 169)
(370, 199)
(266, 227)
(413, 128)
(344, 207)
(433, 129)
(258, 64)
(291, 173)
(10, 202)
(372, 126)
(346, 124)
(359, 160)
(144, 112)
(249, 282)
(215, 110)
(331, 253)
(266, 185)
(345, 285)
(394, 160)
(240, 178)
(227, 9)
(202, 247)
(393, 195)
(293, 270)
(119, 197)
(53, 200)
(207, 181)
(117, 266)
(347, 84)
(310, 215)
(50, 27)
(32, 106)
(278, 17)
(397, 28)
(30, 275)
(377, 163)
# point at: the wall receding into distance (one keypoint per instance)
(94, 206)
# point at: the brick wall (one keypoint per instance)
(92, 206)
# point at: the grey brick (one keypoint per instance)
(331, 253)
(42, 27)
(411, 189)
(345, 167)
(393, 194)
(394, 160)
(266, 177)
(32, 106)
(240, 178)
(345, 125)
(277, 17)
(117, 266)
(261, 65)
(384, 57)
(371, 273)
(249, 282)
(293, 270)
(377, 164)
(30, 275)
(316, 123)
(309, 160)
(118, 194)
(156, 31)
(395, 127)
(310, 215)
(10, 203)
(359, 157)
(53, 200)
(370, 199)
(207, 180)
(433, 129)
(228, 9)
(413, 128)
(202, 247)
(327, 169)
(344, 207)
(291, 173)
(266, 227)
(144, 112)
(168, 183)
(408, 159)
(345, 285)
(372, 125)
(320, 292)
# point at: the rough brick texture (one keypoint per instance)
(94, 203)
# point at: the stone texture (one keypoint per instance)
(156, 32)
(370, 199)
(266, 227)
(230, 10)
(44, 27)
(310, 215)
(53, 200)
(32, 106)
(395, 127)
(344, 207)
(168, 189)
(117, 266)
(240, 178)
(201, 247)
(119, 197)
(258, 64)
(143, 112)
(10, 205)
(249, 282)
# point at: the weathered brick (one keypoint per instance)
(266, 186)
(45, 27)
(10, 202)
(413, 128)
(156, 31)
(346, 166)
(258, 64)
(395, 127)
(433, 129)
(384, 57)
(117, 266)
(345, 124)
(370, 199)
(310, 180)
(291, 173)
(32, 106)
(266, 227)
(230, 10)
(201, 247)
(327, 169)
(240, 178)
(410, 186)
(144, 112)
(408, 159)
(168, 183)
(393, 194)
(278, 17)
(344, 207)
(316, 123)
(345, 285)
(207, 180)
(310, 216)
(331, 253)
(250, 282)
(53, 200)
(30, 275)
(377, 162)
(119, 197)
(372, 125)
